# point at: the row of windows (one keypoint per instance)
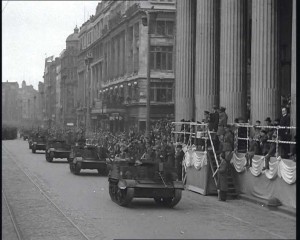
(162, 27)
(161, 58)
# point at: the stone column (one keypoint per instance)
(233, 88)
(293, 73)
(265, 92)
(207, 57)
(184, 66)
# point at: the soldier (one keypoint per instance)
(214, 119)
(254, 149)
(222, 184)
(222, 121)
(179, 155)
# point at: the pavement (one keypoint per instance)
(264, 203)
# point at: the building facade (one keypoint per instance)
(11, 104)
(113, 60)
(50, 90)
(69, 78)
(227, 50)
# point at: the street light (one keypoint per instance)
(88, 59)
(146, 22)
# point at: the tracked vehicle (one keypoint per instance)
(147, 179)
(56, 148)
(87, 157)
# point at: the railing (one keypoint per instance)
(277, 141)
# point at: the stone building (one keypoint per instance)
(229, 52)
(11, 106)
(50, 90)
(68, 86)
(112, 65)
(28, 98)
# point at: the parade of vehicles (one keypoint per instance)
(144, 179)
(38, 143)
(56, 148)
(87, 156)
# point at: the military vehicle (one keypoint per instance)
(38, 143)
(87, 157)
(146, 179)
(56, 148)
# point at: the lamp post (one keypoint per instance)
(146, 22)
(88, 61)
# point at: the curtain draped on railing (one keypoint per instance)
(285, 169)
(193, 158)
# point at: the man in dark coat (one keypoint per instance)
(284, 134)
(214, 119)
(179, 155)
(222, 184)
(222, 121)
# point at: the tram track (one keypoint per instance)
(43, 193)
(12, 217)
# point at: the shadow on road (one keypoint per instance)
(59, 161)
(93, 174)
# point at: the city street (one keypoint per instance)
(47, 201)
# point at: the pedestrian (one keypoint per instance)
(222, 184)
(179, 155)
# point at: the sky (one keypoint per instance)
(34, 30)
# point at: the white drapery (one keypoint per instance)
(285, 169)
(193, 158)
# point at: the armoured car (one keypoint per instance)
(56, 148)
(147, 179)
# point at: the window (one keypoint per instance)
(161, 92)
(161, 58)
(162, 27)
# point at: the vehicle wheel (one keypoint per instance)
(77, 169)
(170, 201)
(124, 196)
(33, 149)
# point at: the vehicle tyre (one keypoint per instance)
(77, 169)
(169, 201)
(124, 196)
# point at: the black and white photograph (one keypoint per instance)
(149, 119)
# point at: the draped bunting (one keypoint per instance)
(239, 162)
(257, 165)
(285, 169)
(195, 158)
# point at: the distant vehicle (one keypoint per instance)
(57, 149)
(38, 143)
(25, 134)
(128, 180)
(87, 157)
